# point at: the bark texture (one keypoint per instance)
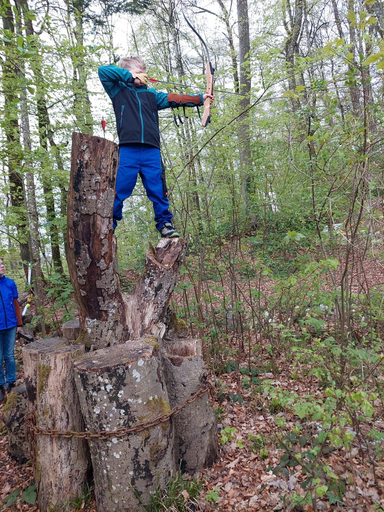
(30, 363)
(60, 464)
(195, 426)
(149, 302)
(58, 408)
(91, 253)
(120, 386)
(13, 416)
(71, 330)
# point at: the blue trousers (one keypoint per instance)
(7, 355)
(144, 160)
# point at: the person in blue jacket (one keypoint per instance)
(10, 323)
(137, 122)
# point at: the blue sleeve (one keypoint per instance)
(161, 100)
(14, 290)
(111, 76)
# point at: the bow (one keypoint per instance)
(210, 71)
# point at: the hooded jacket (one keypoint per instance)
(8, 308)
(136, 108)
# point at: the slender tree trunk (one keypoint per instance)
(12, 132)
(233, 53)
(33, 219)
(246, 165)
(82, 103)
(45, 133)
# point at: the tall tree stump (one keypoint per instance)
(91, 248)
(195, 426)
(147, 306)
(60, 464)
(121, 386)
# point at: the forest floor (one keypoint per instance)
(262, 442)
(249, 450)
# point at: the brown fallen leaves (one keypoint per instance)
(243, 478)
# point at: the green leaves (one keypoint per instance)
(27, 496)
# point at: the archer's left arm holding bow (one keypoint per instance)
(180, 100)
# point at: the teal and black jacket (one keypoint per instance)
(136, 108)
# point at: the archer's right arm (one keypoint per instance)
(111, 76)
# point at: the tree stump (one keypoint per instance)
(14, 411)
(148, 305)
(106, 316)
(91, 250)
(118, 387)
(195, 426)
(71, 330)
(30, 363)
(60, 464)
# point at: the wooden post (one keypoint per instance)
(121, 386)
(91, 249)
(148, 304)
(60, 464)
(71, 330)
(195, 426)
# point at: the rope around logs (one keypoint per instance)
(107, 434)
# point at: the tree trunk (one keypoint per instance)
(118, 387)
(148, 304)
(13, 416)
(71, 330)
(106, 316)
(10, 86)
(246, 163)
(58, 408)
(195, 426)
(91, 253)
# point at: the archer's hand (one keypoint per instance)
(19, 329)
(211, 96)
(139, 79)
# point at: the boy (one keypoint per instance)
(136, 109)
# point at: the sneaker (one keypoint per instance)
(2, 393)
(168, 231)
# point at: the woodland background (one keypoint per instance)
(281, 197)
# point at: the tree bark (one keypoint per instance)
(195, 426)
(58, 408)
(13, 416)
(148, 304)
(120, 386)
(91, 254)
(10, 86)
(246, 162)
(106, 316)
(71, 330)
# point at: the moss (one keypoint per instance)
(11, 401)
(144, 433)
(178, 325)
(157, 452)
(152, 341)
(84, 339)
(38, 473)
(158, 406)
(43, 372)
